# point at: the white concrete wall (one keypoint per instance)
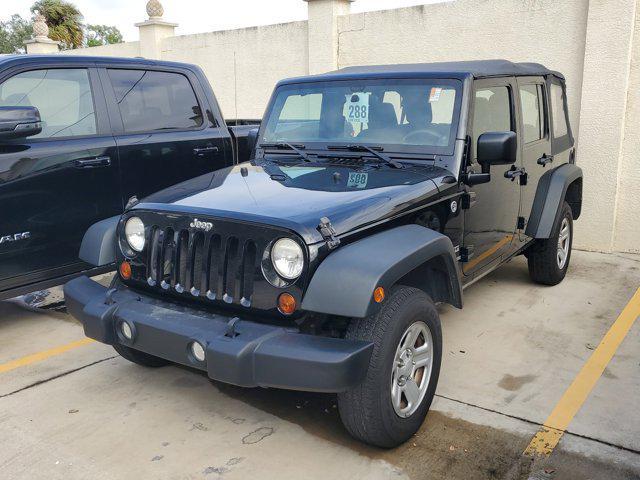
(595, 44)
(244, 65)
(125, 49)
(627, 220)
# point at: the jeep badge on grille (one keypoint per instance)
(206, 226)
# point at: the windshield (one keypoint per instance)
(400, 115)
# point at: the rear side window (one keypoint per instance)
(558, 113)
(532, 102)
(63, 97)
(155, 101)
(492, 111)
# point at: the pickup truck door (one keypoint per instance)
(489, 225)
(166, 131)
(54, 185)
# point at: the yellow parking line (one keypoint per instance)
(556, 424)
(38, 357)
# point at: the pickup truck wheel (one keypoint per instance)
(391, 403)
(139, 357)
(548, 259)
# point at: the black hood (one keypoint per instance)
(298, 196)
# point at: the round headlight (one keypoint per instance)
(134, 233)
(287, 258)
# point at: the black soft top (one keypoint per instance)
(461, 70)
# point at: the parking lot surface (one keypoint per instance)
(72, 409)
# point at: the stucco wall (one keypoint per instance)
(125, 49)
(627, 223)
(244, 65)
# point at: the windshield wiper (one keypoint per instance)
(289, 146)
(375, 151)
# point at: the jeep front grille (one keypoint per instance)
(204, 264)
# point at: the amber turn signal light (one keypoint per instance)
(378, 294)
(125, 270)
(286, 303)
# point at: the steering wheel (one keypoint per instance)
(433, 137)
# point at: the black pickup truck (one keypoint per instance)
(79, 137)
(375, 194)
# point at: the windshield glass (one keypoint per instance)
(401, 115)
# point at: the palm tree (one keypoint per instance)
(64, 21)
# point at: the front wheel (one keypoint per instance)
(391, 403)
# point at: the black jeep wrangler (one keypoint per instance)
(374, 193)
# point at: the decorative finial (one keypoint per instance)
(154, 9)
(40, 28)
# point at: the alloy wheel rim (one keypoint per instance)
(564, 240)
(411, 372)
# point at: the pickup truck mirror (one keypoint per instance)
(252, 139)
(497, 148)
(19, 122)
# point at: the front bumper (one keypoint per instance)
(256, 355)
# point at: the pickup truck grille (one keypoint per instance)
(214, 265)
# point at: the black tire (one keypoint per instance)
(542, 256)
(139, 357)
(367, 411)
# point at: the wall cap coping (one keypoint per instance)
(46, 40)
(153, 21)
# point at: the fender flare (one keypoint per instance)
(98, 245)
(551, 191)
(343, 284)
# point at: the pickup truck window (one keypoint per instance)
(152, 101)
(393, 113)
(63, 97)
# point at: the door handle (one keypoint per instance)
(201, 151)
(544, 159)
(94, 162)
(514, 172)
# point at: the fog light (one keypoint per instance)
(126, 330)
(197, 351)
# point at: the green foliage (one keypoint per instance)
(65, 25)
(64, 21)
(13, 34)
(96, 35)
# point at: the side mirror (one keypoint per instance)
(19, 122)
(252, 139)
(497, 148)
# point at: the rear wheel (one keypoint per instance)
(548, 259)
(391, 403)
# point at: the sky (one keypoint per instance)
(195, 16)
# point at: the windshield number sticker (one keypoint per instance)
(357, 180)
(357, 107)
(434, 95)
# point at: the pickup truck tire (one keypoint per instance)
(548, 259)
(368, 411)
(140, 358)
